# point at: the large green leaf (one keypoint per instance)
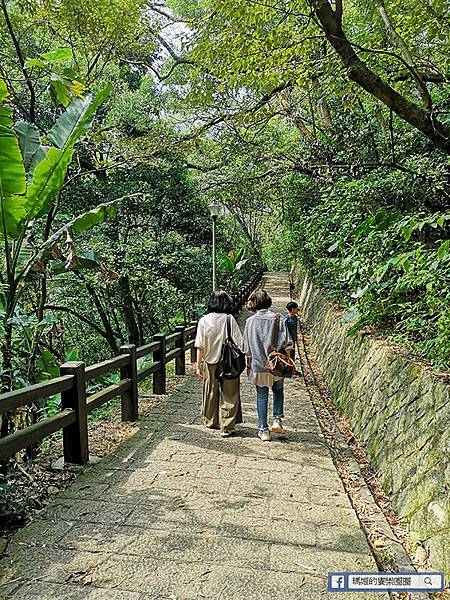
(60, 54)
(74, 123)
(86, 220)
(93, 217)
(48, 178)
(225, 262)
(3, 90)
(12, 171)
(15, 210)
(33, 151)
(30, 142)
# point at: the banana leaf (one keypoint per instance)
(12, 172)
(30, 144)
(13, 210)
(48, 178)
(74, 123)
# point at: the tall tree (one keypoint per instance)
(284, 44)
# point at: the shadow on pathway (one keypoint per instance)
(177, 512)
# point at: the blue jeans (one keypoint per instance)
(262, 401)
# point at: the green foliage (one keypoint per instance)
(241, 46)
(65, 83)
(407, 293)
(20, 203)
(231, 268)
(23, 201)
(390, 270)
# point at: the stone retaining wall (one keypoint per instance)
(400, 412)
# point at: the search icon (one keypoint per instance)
(428, 581)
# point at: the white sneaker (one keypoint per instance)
(277, 426)
(225, 433)
(264, 435)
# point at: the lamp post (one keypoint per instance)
(214, 209)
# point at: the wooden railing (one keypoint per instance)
(76, 404)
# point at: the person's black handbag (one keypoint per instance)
(232, 361)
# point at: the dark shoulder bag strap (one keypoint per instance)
(229, 327)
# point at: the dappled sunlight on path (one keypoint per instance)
(178, 512)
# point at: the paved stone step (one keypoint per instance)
(176, 512)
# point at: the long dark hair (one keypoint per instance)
(219, 302)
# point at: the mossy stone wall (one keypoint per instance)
(398, 410)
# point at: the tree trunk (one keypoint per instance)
(7, 357)
(325, 114)
(109, 333)
(399, 41)
(128, 312)
(7, 419)
(358, 72)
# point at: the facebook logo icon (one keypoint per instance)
(336, 582)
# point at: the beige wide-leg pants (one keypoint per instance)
(221, 402)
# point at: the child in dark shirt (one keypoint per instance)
(292, 324)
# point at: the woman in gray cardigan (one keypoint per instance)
(258, 335)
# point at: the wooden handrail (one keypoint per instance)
(37, 391)
(173, 337)
(76, 404)
(99, 398)
(172, 355)
(144, 373)
(107, 366)
(33, 434)
(147, 349)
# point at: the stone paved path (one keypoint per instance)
(177, 512)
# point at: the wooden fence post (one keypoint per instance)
(75, 436)
(180, 361)
(193, 349)
(130, 406)
(159, 377)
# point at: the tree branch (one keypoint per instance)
(168, 47)
(360, 73)
(28, 81)
(163, 13)
(78, 315)
(399, 41)
(338, 11)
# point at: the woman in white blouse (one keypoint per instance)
(221, 407)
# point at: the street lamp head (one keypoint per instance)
(214, 209)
